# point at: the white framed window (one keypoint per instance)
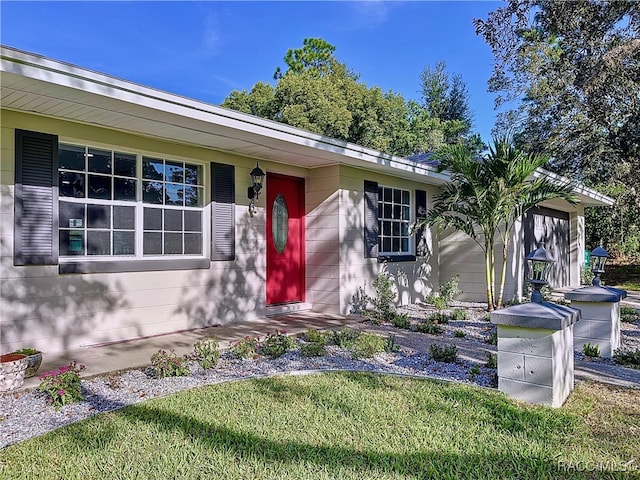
(394, 221)
(126, 205)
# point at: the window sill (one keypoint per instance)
(396, 258)
(117, 266)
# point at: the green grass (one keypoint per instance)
(343, 425)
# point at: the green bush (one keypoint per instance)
(168, 364)
(206, 353)
(277, 344)
(459, 334)
(491, 360)
(244, 348)
(439, 317)
(384, 302)
(450, 289)
(401, 320)
(62, 386)
(629, 314)
(591, 350)
(627, 357)
(460, 314)
(475, 370)
(492, 338)
(447, 353)
(367, 345)
(359, 302)
(390, 345)
(315, 344)
(345, 337)
(315, 336)
(437, 301)
(431, 328)
(27, 351)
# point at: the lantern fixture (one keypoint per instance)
(540, 262)
(257, 179)
(599, 258)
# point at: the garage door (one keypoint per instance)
(551, 227)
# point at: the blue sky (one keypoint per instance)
(205, 50)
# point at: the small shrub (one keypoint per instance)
(629, 314)
(591, 350)
(315, 336)
(459, 334)
(359, 302)
(277, 344)
(475, 370)
(27, 351)
(315, 344)
(450, 289)
(491, 360)
(345, 337)
(244, 348)
(627, 357)
(492, 338)
(168, 364)
(447, 353)
(401, 320)
(460, 314)
(384, 302)
(437, 301)
(439, 317)
(390, 345)
(367, 345)
(62, 386)
(431, 328)
(206, 353)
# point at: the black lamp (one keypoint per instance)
(599, 258)
(257, 179)
(540, 263)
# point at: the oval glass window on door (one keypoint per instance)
(280, 223)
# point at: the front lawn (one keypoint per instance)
(342, 426)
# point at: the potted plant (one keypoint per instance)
(12, 367)
(34, 360)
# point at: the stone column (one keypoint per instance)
(535, 352)
(600, 325)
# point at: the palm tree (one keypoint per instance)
(487, 195)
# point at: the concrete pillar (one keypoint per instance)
(535, 352)
(600, 310)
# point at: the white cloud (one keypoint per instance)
(371, 13)
(210, 35)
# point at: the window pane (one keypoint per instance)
(386, 228)
(152, 168)
(100, 187)
(405, 213)
(405, 244)
(99, 161)
(387, 211)
(71, 215)
(124, 189)
(192, 221)
(379, 210)
(71, 157)
(152, 243)
(387, 194)
(395, 229)
(98, 243)
(193, 174)
(396, 245)
(152, 192)
(174, 172)
(173, 220)
(71, 242)
(124, 165)
(405, 197)
(172, 243)
(193, 196)
(98, 216)
(193, 243)
(397, 196)
(405, 229)
(124, 243)
(152, 219)
(71, 184)
(397, 209)
(386, 244)
(173, 194)
(124, 218)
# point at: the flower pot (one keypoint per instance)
(12, 367)
(33, 364)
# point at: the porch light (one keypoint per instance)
(257, 178)
(540, 263)
(599, 257)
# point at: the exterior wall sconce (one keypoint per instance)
(257, 179)
(599, 257)
(540, 263)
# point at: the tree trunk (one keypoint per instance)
(503, 270)
(488, 267)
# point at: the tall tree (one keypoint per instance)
(486, 196)
(573, 71)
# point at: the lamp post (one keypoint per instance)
(599, 258)
(540, 262)
(257, 179)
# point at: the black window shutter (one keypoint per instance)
(370, 219)
(35, 236)
(421, 212)
(223, 194)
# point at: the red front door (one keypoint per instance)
(285, 239)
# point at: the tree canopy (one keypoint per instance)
(570, 73)
(318, 93)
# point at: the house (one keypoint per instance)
(124, 213)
